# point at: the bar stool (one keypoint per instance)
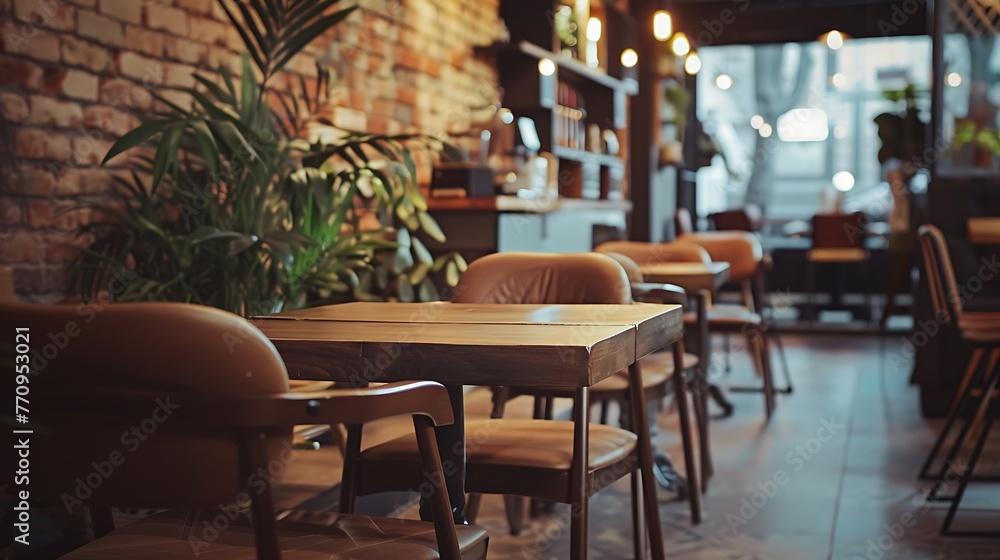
(978, 388)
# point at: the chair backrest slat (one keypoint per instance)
(945, 295)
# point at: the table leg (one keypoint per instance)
(640, 424)
(451, 446)
(690, 465)
(579, 495)
(702, 389)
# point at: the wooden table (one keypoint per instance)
(573, 346)
(700, 281)
(693, 277)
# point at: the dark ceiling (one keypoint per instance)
(728, 22)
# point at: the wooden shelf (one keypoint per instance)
(506, 203)
(607, 160)
(579, 69)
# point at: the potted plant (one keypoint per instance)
(238, 207)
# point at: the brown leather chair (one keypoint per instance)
(532, 458)
(151, 406)
(658, 371)
(723, 319)
(980, 387)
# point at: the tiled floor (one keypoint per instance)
(848, 497)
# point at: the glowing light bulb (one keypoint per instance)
(834, 39)
(629, 58)
(663, 25)
(843, 181)
(953, 79)
(765, 130)
(724, 81)
(692, 64)
(681, 46)
(546, 67)
(593, 29)
(756, 122)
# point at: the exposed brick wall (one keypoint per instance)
(77, 74)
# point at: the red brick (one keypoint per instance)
(196, 6)
(208, 31)
(52, 80)
(85, 3)
(126, 10)
(124, 95)
(63, 215)
(13, 107)
(20, 247)
(102, 29)
(23, 73)
(78, 181)
(166, 18)
(10, 212)
(61, 247)
(108, 120)
(140, 67)
(47, 111)
(31, 42)
(31, 181)
(76, 52)
(38, 144)
(53, 14)
(80, 85)
(90, 150)
(184, 50)
(179, 75)
(143, 40)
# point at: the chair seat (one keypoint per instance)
(536, 444)
(726, 317)
(657, 369)
(303, 535)
(987, 337)
(843, 255)
(979, 321)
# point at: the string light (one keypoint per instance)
(629, 58)
(692, 64)
(681, 46)
(663, 25)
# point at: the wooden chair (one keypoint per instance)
(722, 319)
(153, 408)
(977, 393)
(535, 458)
(836, 239)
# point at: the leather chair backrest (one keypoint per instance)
(945, 297)
(838, 231)
(643, 253)
(632, 269)
(170, 347)
(544, 278)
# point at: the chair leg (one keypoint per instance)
(472, 506)
(514, 506)
(956, 408)
(638, 529)
(440, 502)
(349, 478)
(989, 412)
(765, 359)
(687, 437)
(265, 527)
(579, 497)
(102, 521)
(963, 434)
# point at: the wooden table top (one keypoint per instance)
(692, 277)
(984, 230)
(474, 344)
